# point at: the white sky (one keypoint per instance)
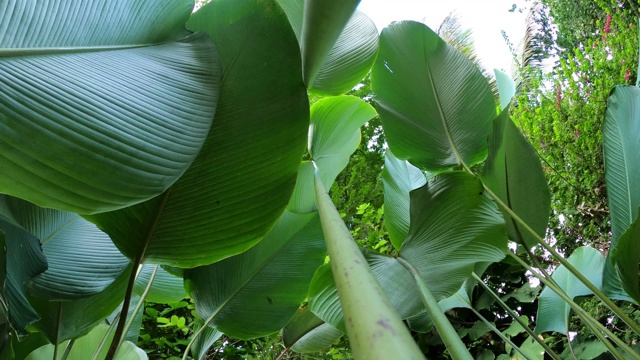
(485, 18)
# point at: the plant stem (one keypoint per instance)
(449, 336)
(515, 317)
(593, 324)
(106, 336)
(374, 328)
(115, 343)
(139, 304)
(632, 324)
(496, 331)
(67, 350)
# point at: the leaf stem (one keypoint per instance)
(139, 304)
(449, 336)
(594, 325)
(115, 342)
(515, 317)
(374, 328)
(632, 324)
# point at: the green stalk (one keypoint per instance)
(375, 330)
(139, 305)
(515, 317)
(65, 355)
(496, 331)
(594, 325)
(106, 337)
(449, 336)
(632, 324)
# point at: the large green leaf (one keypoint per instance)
(257, 292)
(553, 312)
(393, 278)
(513, 172)
(165, 289)
(103, 103)
(351, 54)
(399, 178)
(24, 260)
(64, 320)
(626, 257)
(85, 347)
(242, 180)
(82, 259)
(334, 134)
(622, 171)
(454, 225)
(205, 341)
(435, 105)
(308, 333)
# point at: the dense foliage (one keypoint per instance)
(203, 227)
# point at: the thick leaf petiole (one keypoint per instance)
(374, 328)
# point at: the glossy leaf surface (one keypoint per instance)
(514, 173)
(256, 293)
(237, 188)
(399, 178)
(454, 225)
(436, 107)
(622, 171)
(115, 108)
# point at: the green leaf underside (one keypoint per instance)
(323, 21)
(454, 225)
(308, 333)
(87, 345)
(399, 178)
(107, 128)
(166, 288)
(235, 190)
(351, 54)
(82, 260)
(206, 339)
(435, 105)
(64, 320)
(553, 312)
(626, 257)
(506, 88)
(513, 172)
(257, 292)
(395, 281)
(622, 171)
(334, 134)
(24, 260)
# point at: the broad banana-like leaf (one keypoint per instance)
(394, 279)
(103, 103)
(64, 320)
(22, 261)
(622, 172)
(84, 348)
(436, 106)
(351, 54)
(165, 289)
(399, 178)
(454, 225)
(256, 293)
(553, 312)
(205, 341)
(308, 333)
(506, 88)
(242, 180)
(514, 173)
(626, 257)
(82, 259)
(334, 134)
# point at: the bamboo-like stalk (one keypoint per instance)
(374, 328)
(515, 317)
(597, 328)
(632, 324)
(447, 333)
